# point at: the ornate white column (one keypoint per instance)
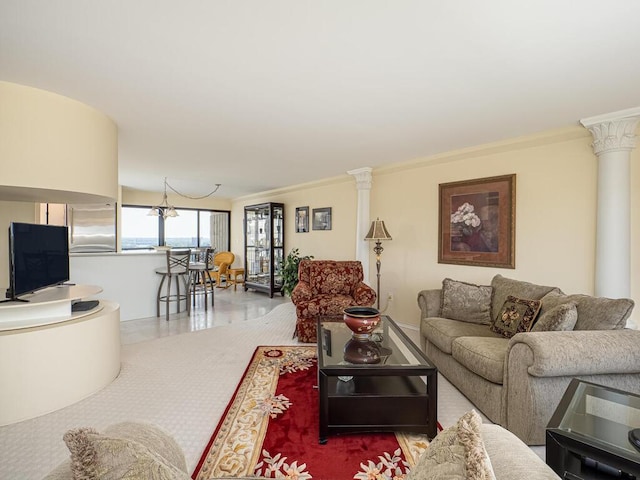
(613, 139)
(363, 184)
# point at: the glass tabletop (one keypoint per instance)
(601, 414)
(388, 346)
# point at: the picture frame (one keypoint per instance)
(322, 218)
(302, 219)
(476, 222)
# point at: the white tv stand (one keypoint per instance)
(50, 305)
(50, 357)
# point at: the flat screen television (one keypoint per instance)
(38, 257)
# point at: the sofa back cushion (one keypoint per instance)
(594, 313)
(466, 302)
(504, 287)
(334, 278)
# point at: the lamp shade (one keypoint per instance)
(378, 231)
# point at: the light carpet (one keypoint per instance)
(181, 383)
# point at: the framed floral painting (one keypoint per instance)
(477, 222)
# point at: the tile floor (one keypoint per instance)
(231, 306)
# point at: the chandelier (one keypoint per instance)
(166, 210)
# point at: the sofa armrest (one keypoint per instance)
(581, 352)
(363, 294)
(511, 458)
(540, 365)
(301, 293)
(429, 303)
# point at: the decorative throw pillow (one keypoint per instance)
(594, 313)
(560, 317)
(455, 453)
(517, 315)
(504, 287)
(97, 456)
(465, 301)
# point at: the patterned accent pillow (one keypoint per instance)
(562, 317)
(456, 453)
(503, 287)
(466, 302)
(101, 456)
(517, 315)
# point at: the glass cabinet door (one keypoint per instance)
(264, 247)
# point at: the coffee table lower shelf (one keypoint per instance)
(387, 403)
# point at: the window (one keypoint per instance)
(182, 231)
(138, 229)
(190, 229)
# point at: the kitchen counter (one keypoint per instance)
(127, 278)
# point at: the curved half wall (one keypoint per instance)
(55, 149)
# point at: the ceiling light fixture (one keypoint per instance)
(165, 210)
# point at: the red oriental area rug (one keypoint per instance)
(270, 429)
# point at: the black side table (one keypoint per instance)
(588, 435)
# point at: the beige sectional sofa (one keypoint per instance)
(517, 382)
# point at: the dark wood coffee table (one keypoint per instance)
(397, 394)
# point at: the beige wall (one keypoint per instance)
(555, 216)
(55, 149)
(337, 244)
(11, 212)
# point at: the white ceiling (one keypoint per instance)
(257, 95)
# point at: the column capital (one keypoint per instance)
(613, 132)
(362, 177)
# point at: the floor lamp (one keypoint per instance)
(378, 232)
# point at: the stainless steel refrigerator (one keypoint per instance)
(92, 227)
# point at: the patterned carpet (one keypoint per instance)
(270, 429)
(181, 383)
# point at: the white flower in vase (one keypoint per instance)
(465, 219)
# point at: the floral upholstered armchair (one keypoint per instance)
(326, 287)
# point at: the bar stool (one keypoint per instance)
(200, 277)
(178, 268)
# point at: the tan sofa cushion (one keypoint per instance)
(484, 356)
(503, 287)
(443, 331)
(594, 313)
(466, 301)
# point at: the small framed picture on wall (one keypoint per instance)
(322, 218)
(302, 219)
